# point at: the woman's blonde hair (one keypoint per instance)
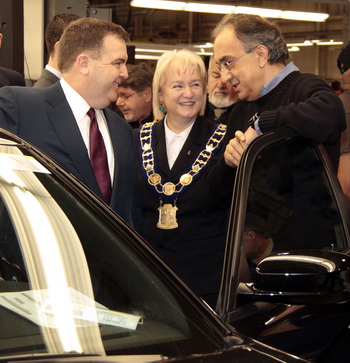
(182, 58)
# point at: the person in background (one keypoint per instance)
(70, 121)
(256, 246)
(336, 87)
(343, 63)
(221, 96)
(53, 32)
(252, 54)
(9, 77)
(135, 95)
(183, 218)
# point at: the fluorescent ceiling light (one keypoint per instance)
(306, 16)
(331, 42)
(309, 43)
(209, 8)
(206, 45)
(267, 13)
(147, 56)
(294, 49)
(159, 4)
(225, 9)
(151, 50)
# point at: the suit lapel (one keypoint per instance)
(67, 130)
(161, 154)
(116, 139)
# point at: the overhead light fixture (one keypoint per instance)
(267, 13)
(151, 51)
(308, 43)
(331, 42)
(208, 8)
(225, 9)
(294, 49)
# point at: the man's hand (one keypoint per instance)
(236, 146)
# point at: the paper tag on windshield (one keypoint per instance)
(21, 162)
(39, 307)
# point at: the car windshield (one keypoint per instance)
(73, 281)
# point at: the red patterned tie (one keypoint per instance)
(98, 158)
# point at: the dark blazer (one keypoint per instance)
(195, 249)
(8, 77)
(43, 117)
(46, 79)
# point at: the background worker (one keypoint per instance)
(135, 95)
(53, 32)
(221, 96)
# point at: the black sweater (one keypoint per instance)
(303, 102)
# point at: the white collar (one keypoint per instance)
(169, 134)
(76, 102)
(53, 70)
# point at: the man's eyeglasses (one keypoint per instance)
(227, 66)
(125, 96)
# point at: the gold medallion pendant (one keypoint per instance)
(186, 179)
(167, 216)
(167, 212)
(154, 179)
(169, 188)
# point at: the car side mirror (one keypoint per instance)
(303, 277)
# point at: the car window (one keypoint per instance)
(290, 203)
(74, 280)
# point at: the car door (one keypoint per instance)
(294, 295)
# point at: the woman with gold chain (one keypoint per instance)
(180, 179)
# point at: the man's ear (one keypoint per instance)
(83, 62)
(56, 46)
(148, 94)
(262, 54)
(250, 234)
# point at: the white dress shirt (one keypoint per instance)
(175, 142)
(80, 108)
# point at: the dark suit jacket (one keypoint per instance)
(43, 117)
(195, 249)
(46, 79)
(8, 77)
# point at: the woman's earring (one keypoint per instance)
(161, 108)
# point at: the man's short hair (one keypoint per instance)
(252, 31)
(140, 77)
(86, 35)
(55, 28)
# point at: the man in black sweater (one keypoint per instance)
(252, 54)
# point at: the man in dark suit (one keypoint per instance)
(92, 57)
(53, 33)
(8, 77)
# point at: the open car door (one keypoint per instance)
(295, 295)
